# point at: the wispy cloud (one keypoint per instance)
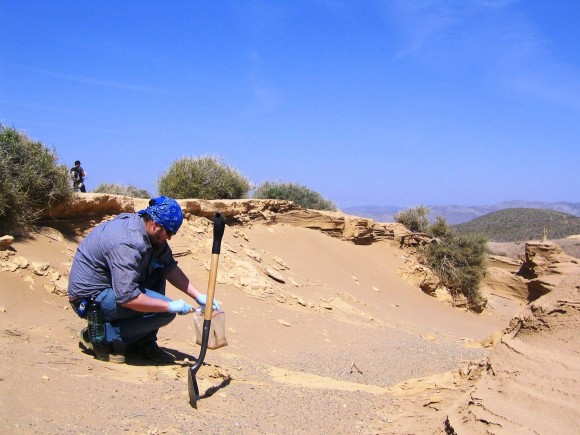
(27, 105)
(265, 97)
(556, 83)
(497, 38)
(74, 127)
(99, 82)
(422, 24)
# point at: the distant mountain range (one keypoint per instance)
(457, 214)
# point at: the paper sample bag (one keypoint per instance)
(217, 329)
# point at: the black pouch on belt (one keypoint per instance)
(80, 306)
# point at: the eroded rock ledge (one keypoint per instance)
(95, 206)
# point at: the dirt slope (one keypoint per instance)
(338, 347)
(530, 382)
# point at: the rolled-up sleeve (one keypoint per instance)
(125, 263)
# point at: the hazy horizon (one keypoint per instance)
(468, 205)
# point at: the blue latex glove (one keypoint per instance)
(202, 300)
(180, 307)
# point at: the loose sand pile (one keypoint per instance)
(324, 337)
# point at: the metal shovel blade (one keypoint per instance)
(192, 389)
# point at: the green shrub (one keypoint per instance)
(301, 195)
(121, 189)
(204, 178)
(416, 219)
(459, 261)
(439, 228)
(30, 181)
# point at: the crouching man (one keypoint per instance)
(123, 264)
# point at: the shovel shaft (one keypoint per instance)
(211, 286)
(219, 225)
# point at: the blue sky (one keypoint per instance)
(368, 102)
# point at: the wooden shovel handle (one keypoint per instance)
(219, 225)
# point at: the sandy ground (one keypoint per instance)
(344, 345)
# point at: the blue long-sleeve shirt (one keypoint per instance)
(117, 254)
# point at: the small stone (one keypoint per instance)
(253, 255)
(274, 275)
(5, 242)
(433, 402)
(281, 262)
(40, 268)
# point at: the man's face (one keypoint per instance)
(158, 234)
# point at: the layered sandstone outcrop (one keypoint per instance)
(530, 381)
(85, 207)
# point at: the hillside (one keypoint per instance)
(521, 224)
(457, 214)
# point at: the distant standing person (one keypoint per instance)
(77, 173)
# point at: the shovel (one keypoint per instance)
(219, 225)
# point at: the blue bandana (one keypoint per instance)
(165, 211)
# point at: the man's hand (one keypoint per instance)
(201, 299)
(180, 307)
